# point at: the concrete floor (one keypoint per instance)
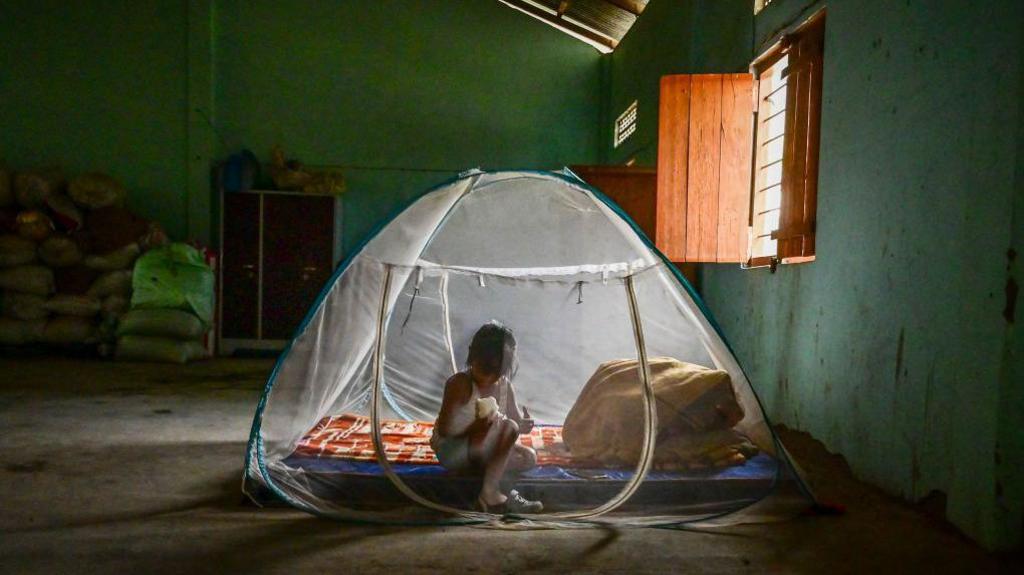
(133, 468)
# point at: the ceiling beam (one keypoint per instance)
(588, 34)
(634, 6)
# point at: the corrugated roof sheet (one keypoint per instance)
(601, 23)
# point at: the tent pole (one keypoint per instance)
(650, 423)
(448, 321)
(378, 383)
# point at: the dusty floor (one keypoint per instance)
(135, 468)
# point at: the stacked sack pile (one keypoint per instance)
(66, 254)
(171, 307)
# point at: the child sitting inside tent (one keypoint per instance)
(479, 423)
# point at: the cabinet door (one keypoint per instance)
(298, 240)
(240, 258)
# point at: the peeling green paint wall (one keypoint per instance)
(116, 86)
(891, 347)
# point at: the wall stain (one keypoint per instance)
(33, 466)
(899, 356)
(915, 471)
(934, 505)
(1012, 289)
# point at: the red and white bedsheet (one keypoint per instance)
(347, 436)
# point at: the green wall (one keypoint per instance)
(671, 37)
(99, 86)
(438, 85)
(1010, 446)
(891, 347)
(132, 88)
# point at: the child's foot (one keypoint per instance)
(491, 499)
(516, 503)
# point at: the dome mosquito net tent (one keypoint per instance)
(643, 415)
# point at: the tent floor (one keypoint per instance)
(360, 485)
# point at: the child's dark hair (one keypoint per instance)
(493, 350)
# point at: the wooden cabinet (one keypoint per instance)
(632, 188)
(635, 190)
(278, 250)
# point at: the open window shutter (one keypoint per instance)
(704, 148)
(797, 220)
(734, 170)
(673, 138)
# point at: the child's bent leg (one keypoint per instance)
(490, 449)
(522, 458)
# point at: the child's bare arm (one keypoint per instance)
(457, 392)
(524, 421)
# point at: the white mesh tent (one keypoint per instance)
(339, 428)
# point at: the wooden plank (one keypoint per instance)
(673, 134)
(757, 199)
(793, 155)
(800, 167)
(735, 167)
(703, 168)
(816, 41)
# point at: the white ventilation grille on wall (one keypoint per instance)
(625, 124)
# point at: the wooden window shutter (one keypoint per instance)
(797, 217)
(673, 137)
(704, 151)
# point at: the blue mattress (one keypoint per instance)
(759, 467)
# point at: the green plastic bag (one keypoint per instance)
(174, 277)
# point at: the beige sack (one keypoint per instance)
(66, 329)
(16, 251)
(18, 332)
(33, 225)
(33, 187)
(60, 251)
(112, 283)
(606, 423)
(93, 191)
(114, 306)
(118, 259)
(36, 280)
(73, 305)
(23, 306)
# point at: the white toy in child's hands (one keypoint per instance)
(486, 407)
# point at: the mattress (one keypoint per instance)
(338, 460)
